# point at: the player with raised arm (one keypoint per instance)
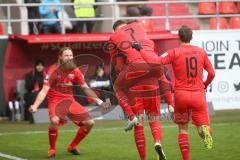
(58, 87)
(188, 63)
(126, 34)
(136, 85)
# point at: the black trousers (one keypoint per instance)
(80, 25)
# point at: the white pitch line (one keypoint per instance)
(74, 130)
(97, 129)
(70, 130)
(10, 157)
(63, 131)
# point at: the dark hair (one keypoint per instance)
(185, 34)
(64, 49)
(121, 55)
(146, 11)
(118, 23)
(133, 11)
(38, 62)
(99, 66)
(131, 21)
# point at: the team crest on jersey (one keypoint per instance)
(71, 76)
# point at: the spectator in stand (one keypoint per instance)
(70, 11)
(50, 12)
(147, 23)
(146, 11)
(133, 11)
(33, 84)
(84, 11)
(33, 13)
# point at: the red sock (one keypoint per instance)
(184, 146)
(124, 104)
(52, 135)
(156, 129)
(81, 134)
(140, 141)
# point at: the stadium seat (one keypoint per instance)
(1, 29)
(227, 8)
(206, 8)
(222, 25)
(234, 23)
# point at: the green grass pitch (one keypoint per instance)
(108, 141)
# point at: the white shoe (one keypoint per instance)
(131, 124)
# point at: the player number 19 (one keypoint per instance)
(191, 67)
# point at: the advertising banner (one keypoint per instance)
(223, 49)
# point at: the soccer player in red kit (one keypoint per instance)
(58, 87)
(127, 34)
(188, 62)
(136, 85)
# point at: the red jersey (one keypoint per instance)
(188, 63)
(128, 34)
(61, 83)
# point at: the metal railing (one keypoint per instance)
(115, 10)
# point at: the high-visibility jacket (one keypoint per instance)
(85, 10)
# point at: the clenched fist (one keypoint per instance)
(32, 109)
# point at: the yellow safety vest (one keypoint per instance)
(84, 11)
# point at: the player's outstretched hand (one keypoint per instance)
(171, 111)
(137, 46)
(32, 109)
(105, 105)
(55, 120)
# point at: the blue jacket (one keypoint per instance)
(45, 11)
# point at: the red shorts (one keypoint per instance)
(68, 108)
(146, 99)
(190, 104)
(133, 73)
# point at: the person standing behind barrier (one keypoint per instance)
(84, 11)
(33, 13)
(50, 12)
(146, 11)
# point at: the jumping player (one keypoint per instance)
(136, 87)
(127, 34)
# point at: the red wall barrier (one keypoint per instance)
(22, 51)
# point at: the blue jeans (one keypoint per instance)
(53, 28)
